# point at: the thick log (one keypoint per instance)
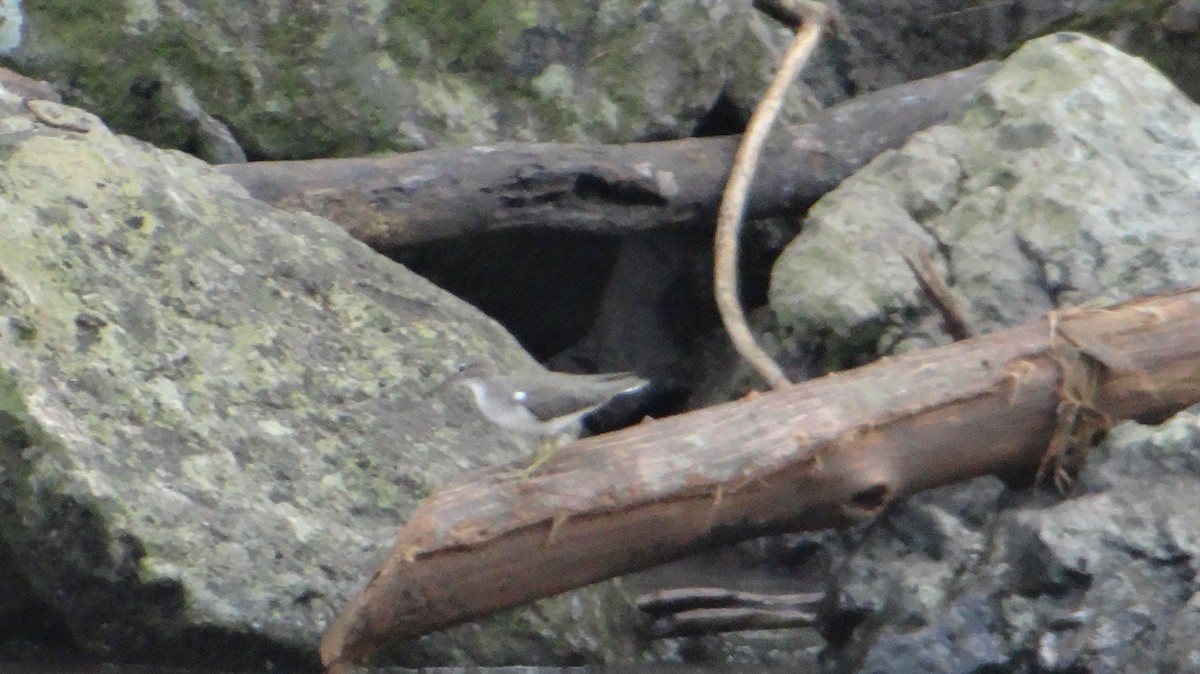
(824, 453)
(398, 200)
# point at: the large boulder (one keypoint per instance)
(316, 79)
(976, 577)
(1069, 179)
(215, 415)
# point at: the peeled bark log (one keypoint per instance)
(824, 453)
(398, 200)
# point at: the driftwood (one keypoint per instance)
(824, 453)
(397, 200)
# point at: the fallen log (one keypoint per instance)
(824, 453)
(398, 200)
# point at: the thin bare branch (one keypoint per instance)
(954, 318)
(733, 205)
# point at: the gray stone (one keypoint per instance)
(311, 79)
(215, 415)
(881, 43)
(1068, 179)
(1103, 581)
(958, 639)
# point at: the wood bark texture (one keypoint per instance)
(827, 452)
(398, 200)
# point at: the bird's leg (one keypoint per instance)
(546, 451)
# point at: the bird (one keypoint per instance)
(551, 405)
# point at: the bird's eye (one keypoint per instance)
(460, 368)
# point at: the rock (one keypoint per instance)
(881, 43)
(215, 415)
(1069, 179)
(301, 80)
(974, 577)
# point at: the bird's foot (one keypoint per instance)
(546, 451)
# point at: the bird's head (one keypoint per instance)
(471, 370)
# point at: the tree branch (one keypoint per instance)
(823, 453)
(733, 201)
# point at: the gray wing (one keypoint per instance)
(551, 395)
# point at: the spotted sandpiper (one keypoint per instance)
(544, 403)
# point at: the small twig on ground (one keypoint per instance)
(954, 319)
(717, 620)
(693, 611)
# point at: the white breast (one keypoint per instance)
(506, 414)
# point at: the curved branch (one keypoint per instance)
(733, 205)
